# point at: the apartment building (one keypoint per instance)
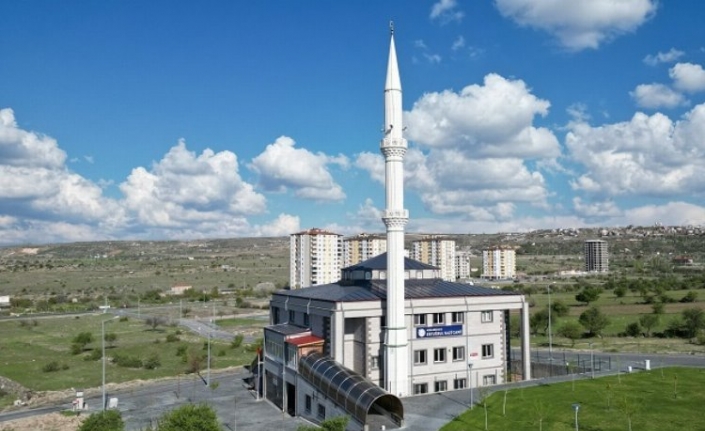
(316, 258)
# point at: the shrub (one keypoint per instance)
(108, 420)
(127, 361)
(237, 341)
(221, 352)
(181, 350)
(190, 418)
(633, 329)
(152, 362)
(172, 338)
(94, 355)
(124, 319)
(51, 367)
(691, 296)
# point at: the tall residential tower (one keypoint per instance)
(395, 217)
(316, 258)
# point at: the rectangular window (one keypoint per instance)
(420, 388)
(292, 316)
(488, 380)
(459, 353)
(307, 320)
(460, 383)
(440, 386)
(487, 316)
(275, 315)
(308, 403)
(439, 355)
(420, 319)
(458, 317)
(374, 362)
(487, 351)
(321, 411)
(439, 318)
(419, 357)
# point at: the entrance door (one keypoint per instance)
(291, 399)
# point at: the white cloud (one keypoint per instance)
(446, 11)
(281, 166)
(183, 189)
(688, 77)
(654, 96)
(676, 213)
(646, 156)
(493, 120)
(283, 225)
(22, 148)
(433, 58)
(596, 209)
(477, 143)
(36, 184)
(663, 57)
(458, 43)
(583, 23)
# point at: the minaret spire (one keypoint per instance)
(395, 217)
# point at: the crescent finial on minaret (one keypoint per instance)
(391, 27)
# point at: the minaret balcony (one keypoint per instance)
(390, 142)
(395, 214)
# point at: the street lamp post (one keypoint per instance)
(102, 332)
(550, 336)
(592, 362)
(576, 407)
(208, 378)
(470, 383)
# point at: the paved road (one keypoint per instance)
(237, 407)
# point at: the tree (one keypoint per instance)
(588, 295)
(559, 309)
(693, 321)
(571, 330)
(80, 342)
(110, 338)
(648, 322)
(594, 321)
(620, 291)
(154, 322)
(658, 308)
(691, 296)
(539, 321)
(633, 329)
(338, 423)
(108, 420)
(190, 418)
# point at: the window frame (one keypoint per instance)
(439, 318)
(487, 351)
(440, 386)
(461, 356)
(420, 357)
(420, 388)
(420, 319)
(487, 316)
(457, 317)
(439, 352)
(292, 316)
(460, 383)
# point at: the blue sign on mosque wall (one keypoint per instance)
(439, 331)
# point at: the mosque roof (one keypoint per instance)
(379, 262)
(376, 290)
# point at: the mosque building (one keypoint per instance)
(391, 327)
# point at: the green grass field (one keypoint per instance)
(25, 350)
(668, 399)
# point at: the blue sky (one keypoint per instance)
(182, 120)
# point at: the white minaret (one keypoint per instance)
(395, 217)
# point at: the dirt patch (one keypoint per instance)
(48, 422)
